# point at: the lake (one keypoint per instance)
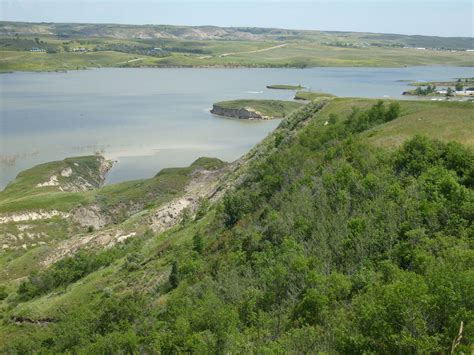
(149, 119)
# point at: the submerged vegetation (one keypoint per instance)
(322, 243)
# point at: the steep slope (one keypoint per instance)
(321, 242)
(71, 210)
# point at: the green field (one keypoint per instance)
(441, 120)
(174, 46)
(310, 95)
(463, 81)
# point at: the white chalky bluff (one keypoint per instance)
(32, 216)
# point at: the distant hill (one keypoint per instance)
(118, 31)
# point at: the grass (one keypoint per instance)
(440, 120)
(166, 185)
(269, 108)
(24, 194)
(285, 87)
(443, 120)
(310, 95)
(464, 81)
(118, 202)
(299, 50)
(19, 264)
(115, 276)
(28, 61)
(307, 54)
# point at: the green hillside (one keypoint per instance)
(52, 46)
(311, 95)
(341, 232)
(266, 108)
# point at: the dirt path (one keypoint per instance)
(131, 61)
(255, 51)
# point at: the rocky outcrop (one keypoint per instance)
(78, 178)
(204, 184)
(90, 216)
(245, 113)
(31, 216)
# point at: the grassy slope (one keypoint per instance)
(443, 121)
(115, 200)
(158, 251)
(309, 95)
(23, 193)
(446, 121)
(26, 61)
(301, 49)
(310, 55)
(272, 108)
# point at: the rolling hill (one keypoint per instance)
(342, 231)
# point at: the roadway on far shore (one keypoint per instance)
(255, 51)
(131, 60)
(247, 52)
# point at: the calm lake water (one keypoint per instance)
(151, 119)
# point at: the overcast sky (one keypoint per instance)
(428, 17)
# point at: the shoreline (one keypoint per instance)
(65, 71)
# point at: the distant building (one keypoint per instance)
(457, 93)
(36, 49)
(79, 49)
(465, 93)
(156, 50)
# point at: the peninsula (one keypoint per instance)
(255, 109)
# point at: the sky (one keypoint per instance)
(426, 17)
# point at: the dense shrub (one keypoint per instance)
(328, 246)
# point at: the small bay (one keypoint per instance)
(150, 119)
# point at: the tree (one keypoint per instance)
(459, 86)
(3, 293)
(333, 118)
(174, 275)
(449, 92)
(198, 244)
(393, 111)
